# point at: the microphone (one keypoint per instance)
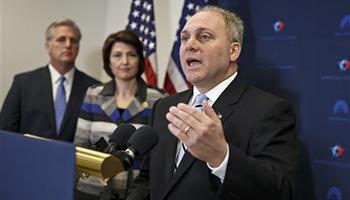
(101, 164)
(119, 138)
(100, 145)
(140, 143)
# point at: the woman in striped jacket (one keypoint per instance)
(124, 99)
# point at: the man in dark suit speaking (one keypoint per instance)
(223, 139)
(46, 101)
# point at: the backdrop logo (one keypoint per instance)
(337, 151)
(345, 22)
(340, 72)
(278, 32)
(334, 194)
(340, 112)
(344, 64)
(278, 26)
(340, 107)
(344, 27)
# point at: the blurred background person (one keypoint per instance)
(46, 101)
(124, 99)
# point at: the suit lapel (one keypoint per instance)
(171, 142)
(48, 99)
(74, 98)
(186, 162)
(230, 96)
(169, 155)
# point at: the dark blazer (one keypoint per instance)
(29, 107)
(260, 130)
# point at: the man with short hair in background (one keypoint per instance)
(46, 101)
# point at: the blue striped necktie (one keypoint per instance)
(60, 103)
(198, 101)
(198, 104)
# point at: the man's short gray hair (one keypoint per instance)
(62, 22)
(234, 25)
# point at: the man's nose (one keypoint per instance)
(191, 44)
(68, 42)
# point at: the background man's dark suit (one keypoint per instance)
(259, 128)
(29, 107)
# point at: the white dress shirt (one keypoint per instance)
(68, 83)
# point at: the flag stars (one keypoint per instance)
(145, 4)
(141, 21)
(153, 34)
(137, 3)
(133, 25)
(135, 14)
(187, 17)
(145, 42)
(151, 45)
(146, 31)
(142, 27)
(143, 17)
(190, 6)
(149, 7)
(148, 18)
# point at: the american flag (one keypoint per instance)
(175, 78)
(141, 22)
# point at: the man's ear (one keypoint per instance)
(235, 51)
(47, 46)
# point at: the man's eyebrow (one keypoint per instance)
(197, 30)
(184, 32)
(203, 29)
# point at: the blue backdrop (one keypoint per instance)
(300, 50)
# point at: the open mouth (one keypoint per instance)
(192, 62)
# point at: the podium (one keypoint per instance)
(33, 169)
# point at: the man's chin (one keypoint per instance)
(67, 62)
(68, 59)
(193, 79)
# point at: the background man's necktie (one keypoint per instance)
(60, 103)
(198, 104)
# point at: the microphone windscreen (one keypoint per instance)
(143, 140)
(100, 145)
(121, 135)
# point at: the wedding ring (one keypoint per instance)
(187, 129)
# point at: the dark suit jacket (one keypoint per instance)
(260, 130)
(29, 107)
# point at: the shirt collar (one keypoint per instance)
(215, 92)
(55, 75)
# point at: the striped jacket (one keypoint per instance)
(99, 117)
